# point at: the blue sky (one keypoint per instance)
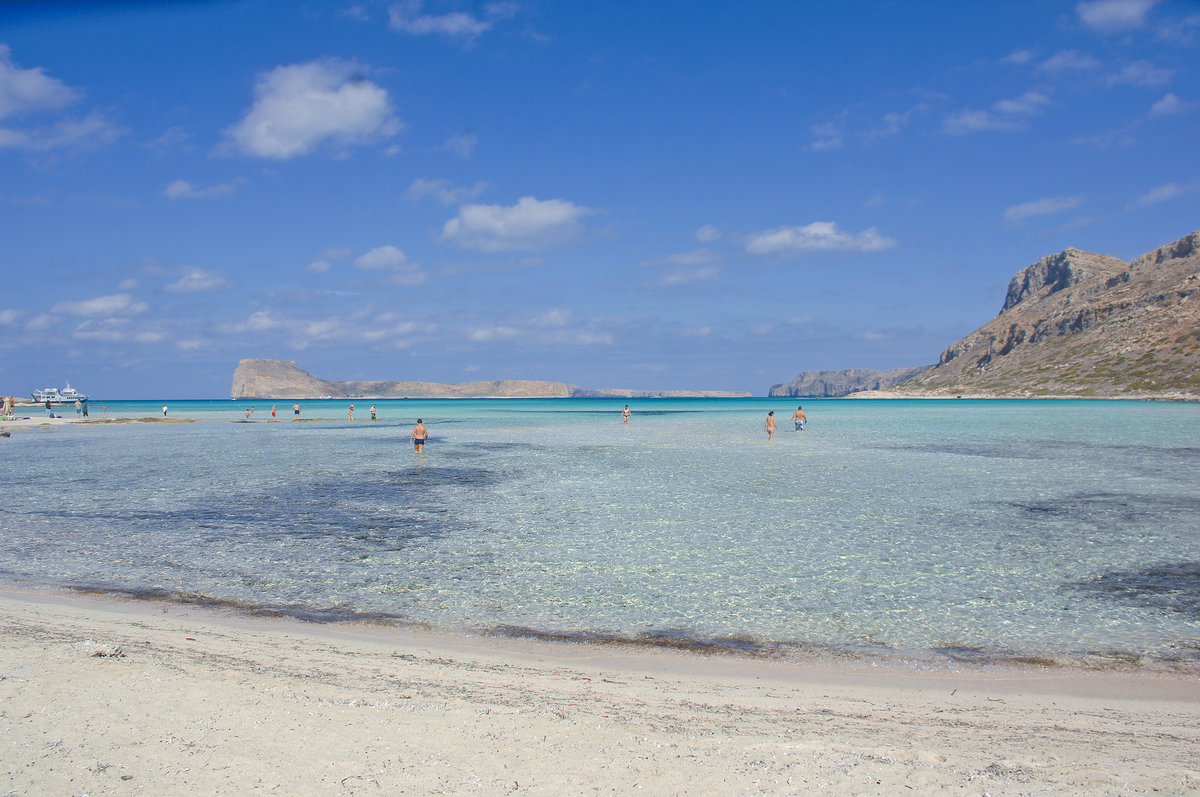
(651, 195)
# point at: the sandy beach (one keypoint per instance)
(105, 696)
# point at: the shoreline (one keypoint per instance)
(121, 696)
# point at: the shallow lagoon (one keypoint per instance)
(910, 532)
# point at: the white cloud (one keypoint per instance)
(299, 107)
(818, 236)
(381, 257)
(1114, 15)
(395, 262)
(29, 90)
(1019, 57)
(1007, 115)
(324, 261)
(1068, 61)
(531, 224)
(1142, 73)
(406, 17)
(826, 136)
(708, 234)
(1018, 214)
(443, 191)
(461, 145)
(116, 304)
(8, 317)
(198, 281)
(1169, 105)
(182, 189)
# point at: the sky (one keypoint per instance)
(646, 195)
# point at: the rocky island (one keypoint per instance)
(284, 379)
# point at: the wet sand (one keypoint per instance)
(110, 696)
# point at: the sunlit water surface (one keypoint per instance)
(910, 533)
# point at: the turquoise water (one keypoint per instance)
(915, 533)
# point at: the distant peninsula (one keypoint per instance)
(285, 379)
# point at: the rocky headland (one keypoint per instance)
(284, 379)
(1079, 324)
(835, 384)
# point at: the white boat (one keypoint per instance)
(68, 395)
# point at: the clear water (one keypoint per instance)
(913, 532)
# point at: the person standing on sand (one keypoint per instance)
(625, 413)
(800, 418)
(78, 408)
(419, 436)
(372, 412)
(350, 412)
(770, 426)
(272, 410)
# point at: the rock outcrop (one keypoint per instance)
(835, 384)
(1083, 324)
(284, 379)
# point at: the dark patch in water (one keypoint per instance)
(1172, 587)
(1111, 509)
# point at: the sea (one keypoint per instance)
(904, 533)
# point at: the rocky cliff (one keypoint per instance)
(284, 379)
(1083, 324)
(834, 384)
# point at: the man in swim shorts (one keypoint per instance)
(296, 410)
(800, 419)
(419, 435)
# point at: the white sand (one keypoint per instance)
(101, 696)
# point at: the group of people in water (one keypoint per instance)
(420, 434)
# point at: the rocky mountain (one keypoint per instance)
(284, 379)
(1084, 324)
(834, 384)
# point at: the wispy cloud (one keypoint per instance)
(816, 237)
(182, 189)
(1142, 73)
(1019, 214)
(461, 145)
(299, 107)
(1165, 193)
(118, 304)
(1108, 16)
(1005, 115)
(1068, 61)
(324, 261)
(443, 191)
(198, 281)
(396, 265)
(529, 225)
